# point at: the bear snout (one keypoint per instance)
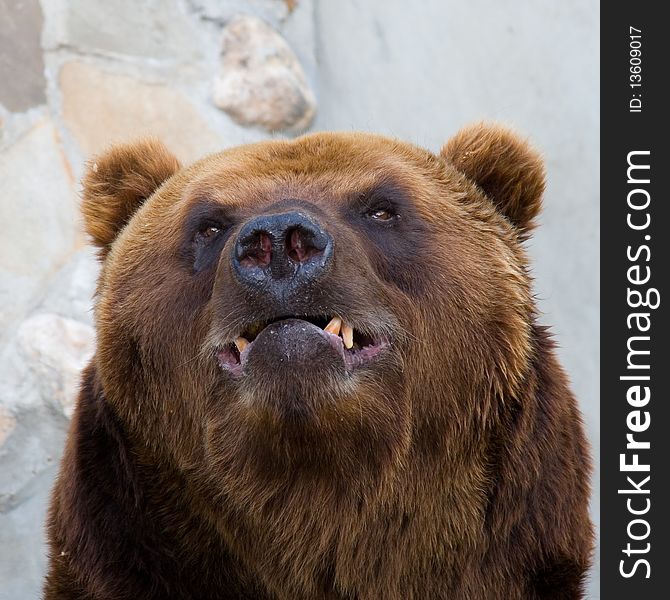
(281, 251)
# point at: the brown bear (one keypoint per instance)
(319, 374)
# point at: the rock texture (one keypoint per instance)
(56, 349)
(101, 107)
(38, 218)
(261, 81)
(7, 424)
(156, 29)
(20, 51)
(274, 12)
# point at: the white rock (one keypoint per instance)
(159, 30)
(39, 225)
(7, 424)
(127, 108)
(272, 11)
(22, 65)
(71, 289)
(57, 349)
(262, 82)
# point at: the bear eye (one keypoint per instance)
(382, 215)
(209, 231)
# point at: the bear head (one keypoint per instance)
(313, 316)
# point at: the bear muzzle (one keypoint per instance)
(299, 342)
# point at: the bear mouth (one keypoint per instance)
(355, 347)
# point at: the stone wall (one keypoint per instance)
(75, 76)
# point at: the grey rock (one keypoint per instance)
(21, 53)
(39, 374)
(127, 108)
(262, 82)
(7, 424)
(70, 290)
(157, 29)
(23, 562)
(272, 11)
(38, 219)
(56, 349)
(299, 30)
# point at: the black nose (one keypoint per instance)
(284, 248)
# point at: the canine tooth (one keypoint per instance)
(334, 326)
(348, 336)
(241, 343)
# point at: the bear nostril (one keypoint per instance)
(256, 251)
(301, 245)
(281, 251)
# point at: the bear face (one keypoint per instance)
(395, 242)
(328, 341)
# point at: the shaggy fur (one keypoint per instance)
(116, 185)
(504, 167)
(454, 466)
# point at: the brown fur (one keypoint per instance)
(504, 167)
(116, 185)
(454, 467)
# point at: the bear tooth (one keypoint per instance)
(241, 343)
(348, 336)
(334, 326)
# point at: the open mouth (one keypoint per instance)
(356, 347)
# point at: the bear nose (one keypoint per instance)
(288, 246)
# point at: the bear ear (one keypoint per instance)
(504, 166)
(117, 183)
